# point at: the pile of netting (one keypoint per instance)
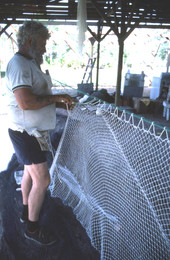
(114, 172)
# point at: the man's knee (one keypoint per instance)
(40, 175)
(45, 182)
(41, 183)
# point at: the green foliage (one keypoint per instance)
(73, 64)
(163, 50)
(125, 56)
(62, 60)
(47, 59)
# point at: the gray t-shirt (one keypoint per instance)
(24, 73)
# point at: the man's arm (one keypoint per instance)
(29, 101)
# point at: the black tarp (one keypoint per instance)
(72, 240)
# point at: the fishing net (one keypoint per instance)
(114, 172)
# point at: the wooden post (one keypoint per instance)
(99, 36)
(119, 74)
(92, 41)
(98, 61)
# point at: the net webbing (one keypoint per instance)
(115, 175)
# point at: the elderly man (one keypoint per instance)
(32, 114)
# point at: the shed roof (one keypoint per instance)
(141, 13)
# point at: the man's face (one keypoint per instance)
(37, 49)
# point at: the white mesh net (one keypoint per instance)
(114, 173)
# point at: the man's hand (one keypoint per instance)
(65, 101)
(73, 104)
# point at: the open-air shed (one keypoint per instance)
(124, 179)
(121, 16)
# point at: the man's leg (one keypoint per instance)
(40, 181)
(26, 185)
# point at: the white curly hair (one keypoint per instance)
(33, 30)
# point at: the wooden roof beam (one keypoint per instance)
(4, 29)
(104, 17)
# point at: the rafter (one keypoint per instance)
(117, 14)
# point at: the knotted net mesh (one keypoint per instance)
(114, 173)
